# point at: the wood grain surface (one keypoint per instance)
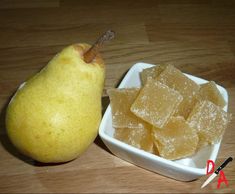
(196, 36)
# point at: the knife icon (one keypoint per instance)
(217, 172)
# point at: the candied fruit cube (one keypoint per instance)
(175, 79)
(151, 72)
(176, 140)
(209, 120)
(156, 102)
(121, 101)
(140, 138)
(209, 91)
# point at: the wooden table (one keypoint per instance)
(196, 36)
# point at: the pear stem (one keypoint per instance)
(90, 55)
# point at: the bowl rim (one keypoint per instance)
(147, 155)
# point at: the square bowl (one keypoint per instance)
(186, 169)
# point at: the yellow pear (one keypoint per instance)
(55, 115)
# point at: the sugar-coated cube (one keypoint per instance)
(156, 103)
(121, 101)
(175, 79)
(140, 138)
(176, 140)
(209, 120)
(209, 91)
(151, 72)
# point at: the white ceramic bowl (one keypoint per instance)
(186, 169)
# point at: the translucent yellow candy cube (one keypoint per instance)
(151, 72)
(156, 103)
(140, 138)
(209, 120)
(175, 79)
(209, 91)
(121, 101)
(176, 140)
